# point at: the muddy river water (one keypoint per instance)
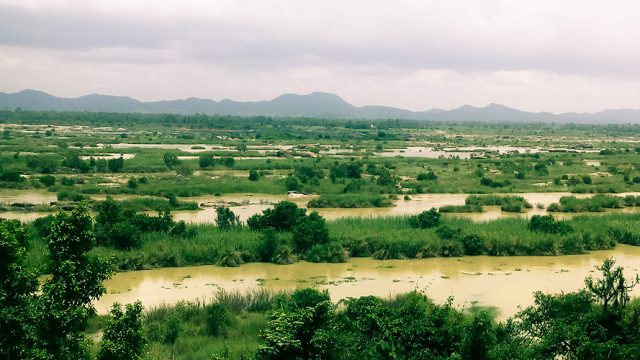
(505, 283)
(245, 205)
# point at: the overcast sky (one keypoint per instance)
(535, 55)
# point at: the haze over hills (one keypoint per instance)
(316, 104)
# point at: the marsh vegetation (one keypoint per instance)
(144, 191)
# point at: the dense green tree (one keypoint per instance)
(65, 303)
(102, 165)
(17, 293)
(283, 216)
(11, 176)
(612, 290)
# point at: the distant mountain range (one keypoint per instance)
(316, 104)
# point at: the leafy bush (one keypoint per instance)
(47, 180)
(461, 208)
(309, 231)
(426, 219)
(473, 244)
(268, 244)
(427, 176)
(66, 181)
(254, 175)
(123, 337)
(596, 203)
(494, 183)
(506, 203)
(349, 201)
(124, 235)
(547, 224)
(447, 232)
(218, 319)
(326, 253)
(226, 219)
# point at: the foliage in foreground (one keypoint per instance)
(48, 323)
(597, 322)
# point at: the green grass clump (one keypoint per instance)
(350, 201)
(506, 203)
(466, 208)
(596, 203)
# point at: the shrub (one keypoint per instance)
(460, 208)
(205, 161)
(43, 225)
(494, 183)
(132, 183)
(254, 175)
(448, 233)
(115, 165)
(67, 181)
(268, 244)
(71, 196)
(180, 230)
(226, 218)
(123, 337)
(473, 244)
(452, 249)
(309, 231)
(124, 236)
(218, 319)
(547, 224)
(184, 170)
(172, 329)
(47, 180)
(349, 201)
(427, 176)
(284, 255)
(507, 203)
(231, 259)
(292, 183)
(327, 253)
(171, 160)
(426, 219)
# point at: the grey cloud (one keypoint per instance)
(241, 41)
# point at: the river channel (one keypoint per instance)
(505, 283)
